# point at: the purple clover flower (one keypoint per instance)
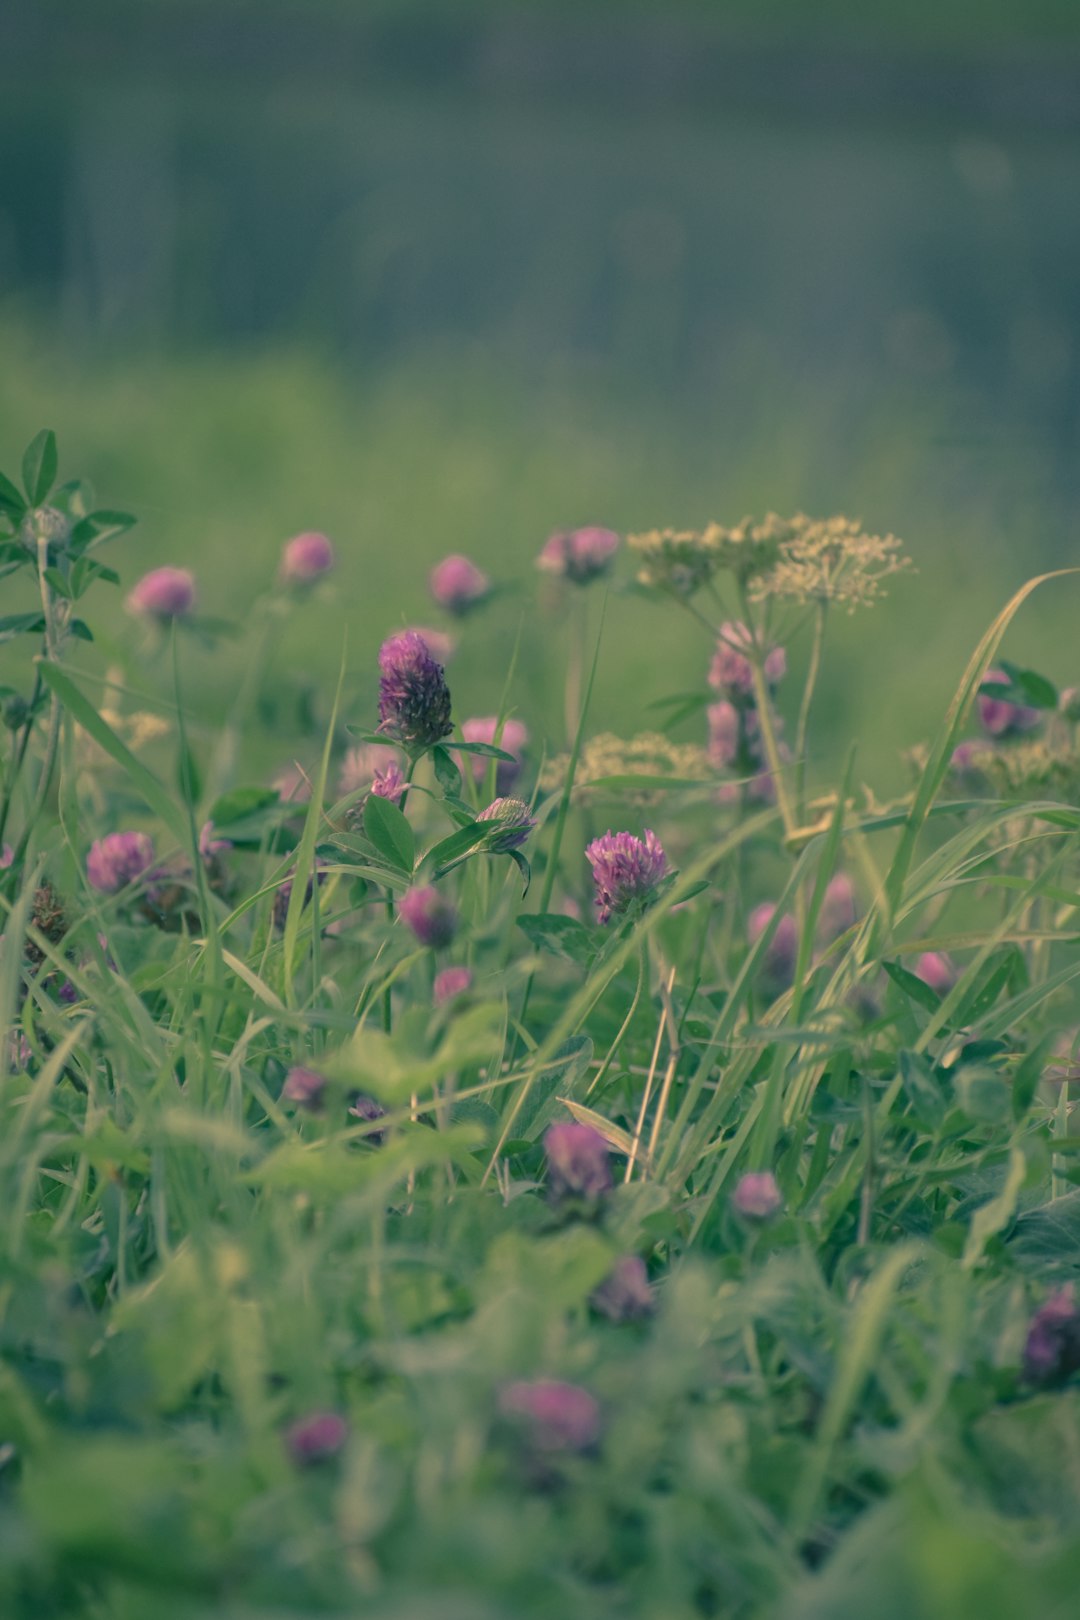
(363, 765)
(414, 699)
(118, 859)
(725, 734)
(937, 970)
(626, 871)
(1052, 1348)
(577, 1162)
(440, 643)
(625, 1294)
(306, 558)
(560, 1417)
(579, 555)
(513, 822)
(163, 593)
(1000, 718)
(451, 983)
(316, 1438)
(757, 1196)
(429, 915)
(458, 585)
(512, 740)
(365, 1108)
(305, 1088)
(781, 953)
(731, 672)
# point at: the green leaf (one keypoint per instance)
(560, 936)
(21, 624)
(488, 750)
(81, 630)
(523, 867)
(240, 804)
(913, 987)
(39, 466)
(1024, 686)
(389, 830)
(11, 500)
(446, 772)
(59, 582)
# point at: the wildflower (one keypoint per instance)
(968, 761)
(440, 644)
(577, 1162)
(725, 734)
(511, 736)
(164, 593)
(305, 1087)
(1000, 718)
(937, 970)
(757, 1196)
(625, 1294)
(365, 1108)
(626, 871)
(414, 700)
(838, 910)
(829, 560)
(561, 1417)
(450, 983)
(429, 915)
(45, 523)
(374, 766)
(781, 953)
(458, 585)
(316, 1438)
(306, 558)
(731, 671)
(1052, 1347)
(511, 823)
(579, 555)
(118, 859)
(7, 856)
(647, 755)
(678, 560)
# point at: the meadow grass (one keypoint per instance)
(712, 1259)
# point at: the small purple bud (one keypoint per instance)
(781, 953)
(306, 558)
(757, 1196)
(458, 585)
(561, 1417)
(577, 1162)
(1052, 1349)
(363, 1107)
(511, 823)
(118, 859)
(450, 983)
(164, 593)
(626, 871)
(731, 672)
(512, 739)
(429, 915)
(316, 1438)
(1000, 718)
(305, 1088)
(838, 911)
(625, 1294)
(389, 783)
(414, 699)
(363, 764)
(937, 970)
(579, 555)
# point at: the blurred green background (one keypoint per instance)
(439, 277)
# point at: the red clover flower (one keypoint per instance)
(450, 983)
(512, 740)
(118, 859)
(579, 555)
(625, 1294)
(1052, 1348)
(626, 871)
(458, 585)
(414, 699)
(306, 558)
(757, 1196)
(429, 915)
(1000, 718)
(316, 1438)
(577, 1162)
(164, 593)
(560, 1417)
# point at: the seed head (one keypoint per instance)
(828, 560)
(164, 593)
(626, 871)
(414, 700)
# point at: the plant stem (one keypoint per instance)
(755, 655)
(803, 727)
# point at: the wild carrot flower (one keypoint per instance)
(414, 700)
(626, 871)
(781, 953)
(458, 585)
(579, 555)
(118, 859)
(937, 970)
(577, 1162)
(1052, 1348)
(306, 558)
(316, 1438)
(164, 593)
(429, 915)
(731, 672)
(676, 560)
(450, 983)
(560, 1417)
(512, 739)
(829, 560)
(625, 1294)
(511, 824)
(998, 717)
(757, 1196)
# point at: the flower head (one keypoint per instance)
(365, 1108)
(731, 671)
(306, 558)
(579, 555)
(414, 699)
(828, 560)
(757, 1196)
(577, 1162)
(676, 560)
(781, 953)
(1052, 1348)
(429, 915)
(625, 1294)
(164, 593)
(118, 859)
(1000, 718)
(511, 824)
(560, 1417)
(316, 1438)
(374, 766)
(937, 970)
(305, 1087)
(458, 585)
(450, 983)
(440, 643)
(511, 736)
(626, 871)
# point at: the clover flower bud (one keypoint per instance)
(937, 970)
(513, 822)
(45, 523)
(579, 555)
(365, 1108)
(316, 1438)
(625, 1294)
(1000, 718)
(626, 871)
(305, 1087)
(512, 739)
(782, 951)
(560, 1417)
(429, 915)
(164, 593)
(306, 558)
(458, 585)
(450, 983)
(757, 1196)
(577, 1162)
(362, 765)
(118, 859)
(414, 700)
(1052, 1348)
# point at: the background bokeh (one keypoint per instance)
(446, 276)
